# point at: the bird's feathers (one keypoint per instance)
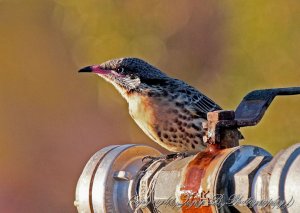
(168, 110)
(184, 94)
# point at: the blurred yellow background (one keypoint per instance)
(53, 119)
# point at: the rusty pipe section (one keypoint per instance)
(206, 182)
(238, 179)
(223, 178)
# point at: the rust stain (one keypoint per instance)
(194, 174)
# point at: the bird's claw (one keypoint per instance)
(150, 158)
(177, 155)
(172, 156)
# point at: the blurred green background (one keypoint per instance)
(53, 119)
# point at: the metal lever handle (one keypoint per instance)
(222, 125)
(253, 106)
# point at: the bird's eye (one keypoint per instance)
(121, 70)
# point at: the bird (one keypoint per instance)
(168, 110)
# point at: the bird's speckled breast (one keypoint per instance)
(141, 109)
(162, 122)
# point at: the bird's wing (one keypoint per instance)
(187, 96)
(198, 103)
(203, 103)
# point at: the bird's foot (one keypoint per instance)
(177, 155)
(172, 156)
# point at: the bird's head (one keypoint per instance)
(126, 74)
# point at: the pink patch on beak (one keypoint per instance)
(98, 70)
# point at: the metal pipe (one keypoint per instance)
(223, 178)
(238, 179)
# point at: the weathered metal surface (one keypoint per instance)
(285, 178)
(236, 161)
(279, 182)
(193, 177)
(116, 174)
(222, 126)
(260, 188)
(107, 183)
(243, 180)
(146, 190)
(83, 200)
(166, 185)
(217, 132)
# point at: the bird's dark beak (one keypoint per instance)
(86, 69)
(95, 69)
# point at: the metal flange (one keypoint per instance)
(107, 182)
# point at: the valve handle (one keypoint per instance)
(253, 106)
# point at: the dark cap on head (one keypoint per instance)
(134, 66)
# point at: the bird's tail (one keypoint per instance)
(241, 137)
